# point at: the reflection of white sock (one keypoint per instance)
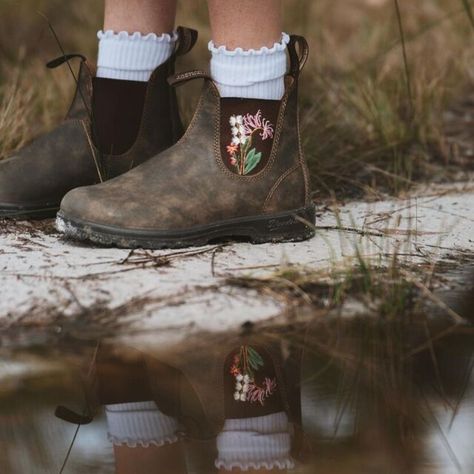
(140, 424)
(132, 57)
(255, 443)
(250, 74)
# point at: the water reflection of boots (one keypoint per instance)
(115, 375)
(142, 425)
(256, 432)
(209, 409)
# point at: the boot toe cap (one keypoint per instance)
(83, 204)
(96, 205)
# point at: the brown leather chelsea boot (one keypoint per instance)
(238, 173)
(111, 127)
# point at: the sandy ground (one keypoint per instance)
(45, 279)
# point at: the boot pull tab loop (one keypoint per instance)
(187, 38)
(64, 59)
(183, 77)
(298, 50)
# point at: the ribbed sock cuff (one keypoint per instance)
(250, 74)
(140, 424)
(132, 57)
(255, 443)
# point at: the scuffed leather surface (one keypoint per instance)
(45, 170)
(189, 185)
(206, 376)
(49, 167)
(288, 192)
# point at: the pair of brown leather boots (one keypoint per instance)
(237, 173)
(199, 392)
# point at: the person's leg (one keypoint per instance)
(165, 459)
(245, 24)
(145, 16)
(248, 48)
(137, 38)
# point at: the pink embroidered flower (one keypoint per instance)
(233, 161)
(270, 386)
(259, 394)
(257, 122)
(232, 149)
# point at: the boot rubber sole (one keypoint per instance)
(28, 213)
(290, 226)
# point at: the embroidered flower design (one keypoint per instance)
(244, 365)
(243, 156)
(232, 149)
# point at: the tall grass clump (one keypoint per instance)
(380, 75)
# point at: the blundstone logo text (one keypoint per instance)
(279, 223)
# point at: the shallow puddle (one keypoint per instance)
(361, 395)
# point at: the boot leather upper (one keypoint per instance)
(189, 185)
(41, 173)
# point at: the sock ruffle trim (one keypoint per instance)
(277, 47)
(137, 36)
(142, 443)
(280, 464)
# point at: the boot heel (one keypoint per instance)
(65, 414)
(292, 226)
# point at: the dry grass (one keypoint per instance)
(369, 127)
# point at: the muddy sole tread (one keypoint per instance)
(19, 213)
(291, 226)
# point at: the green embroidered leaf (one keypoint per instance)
(255, 359)
(253, 159)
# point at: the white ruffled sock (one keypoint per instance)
(255, 443)
(132, 57)
(250, 74)
(140, 424)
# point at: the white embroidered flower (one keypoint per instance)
(235, 131)
(236, 396)
(233, 121)
(236, 141)
(243, 140)
(240, 377)
(245, 388)
(241, 129)
(238, 386)
(246, 378)
(243, 397)
(239, 119)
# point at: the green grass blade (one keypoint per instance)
(468, 8)
(405, 58)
